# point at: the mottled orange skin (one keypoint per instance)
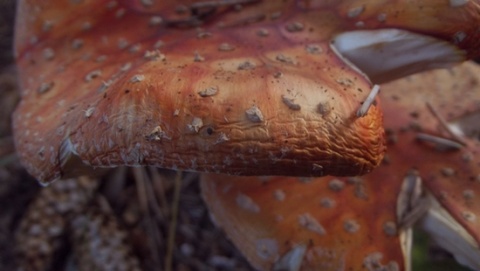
(369, 203)
(454, 93)
(108, 126)
(113, 126)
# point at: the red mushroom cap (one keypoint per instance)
(122, 86)
(285, 223)
(241, 87)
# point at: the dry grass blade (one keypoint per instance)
(445, 125)
(158, 184)
(140, 176)
(173, 223)
(153, 201)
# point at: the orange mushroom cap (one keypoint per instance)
(253, 88)
(349, 219)
(285, 223)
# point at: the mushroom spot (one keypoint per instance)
(290, 103)
(210, 91)
(89, 112)
(448, 172)
(48, 53)
(196, 124)
(351, 226)
(92, 75)
(247, 203)
(324, 109)
(247, 65)
(336, 185)
(198, 58)
(310, 223)
(154, 55)
(156, 134)
(221, 138)
(262, 32)
(44, 87)
(468, 194)
(267, 249)
(390, 228)
(137, 78)
(279, 195)
(469, 216)
(284, 59)
(294, 27)
(459, 37)
(327, 203)
(373, 263)
(254, 114)
(155, 20)
(226, 47)
(355, 12)
(314, 49)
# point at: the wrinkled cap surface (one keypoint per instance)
(252, 89)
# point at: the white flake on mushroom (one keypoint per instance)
(390, 228)
(279, 195)
(92, 75)
(307, 221)
(469, 216)
(44, 87)
(246, 65)
(355, 12)
(336, 185)
(327, 202)
(254, 114)
(154, 55)
(351, 226)
(137, 78)
(89, 112)
(155, 20)
(196, 124)
(222, 137)
(226, 47)
(122, 43)
(197, 57)
(267, 249)
(245, 202)
(290, 103)
(48, 53)
(207, 92)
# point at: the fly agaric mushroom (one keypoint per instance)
(331, 222)
(241, 86)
